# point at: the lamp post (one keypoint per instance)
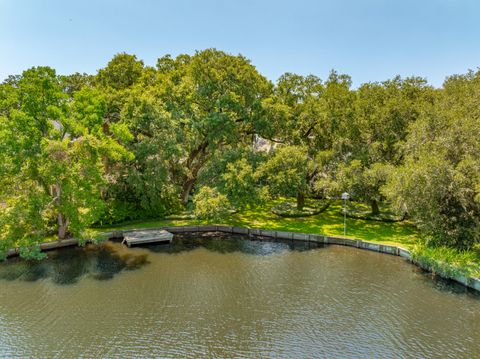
(345, 197)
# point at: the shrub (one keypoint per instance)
(117, 212)
(210, 204)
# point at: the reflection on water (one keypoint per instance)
(103, 262)
(231, 297)
(222, 243)
(445, 285)
(68, 265)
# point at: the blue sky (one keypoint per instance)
(371, 40)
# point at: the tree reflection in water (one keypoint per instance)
(68, 265)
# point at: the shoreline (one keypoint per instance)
(470, 282)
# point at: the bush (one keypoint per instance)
(32, 253)
(210, 204)
(118, 211)
(311, 208)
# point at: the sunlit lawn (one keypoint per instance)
(330, 222)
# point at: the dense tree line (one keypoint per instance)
(207, 132)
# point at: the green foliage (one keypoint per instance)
(215, 101)
(182, 115)
(364, 183)
(383, 112)
(53, 154)
(90, 235)
(324, 183)
(117, 211)
(233, 173)
(295, 109)
(285, 173)
(25, 220)
(33, 253)
(240, 184)
(122, 72)
(210, 204)
(438, 181)
(145, 182)
(135, 142)
(431, 190)
(71, 84)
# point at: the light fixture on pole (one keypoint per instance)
(345, 197)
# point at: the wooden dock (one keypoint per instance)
(147, 236)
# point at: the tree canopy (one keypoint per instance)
(207, 132)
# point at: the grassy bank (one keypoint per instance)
(448, 262)
(330, 222)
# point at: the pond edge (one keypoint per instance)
(471, 282)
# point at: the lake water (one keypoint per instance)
(231, 297)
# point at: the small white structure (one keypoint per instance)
(147, 236)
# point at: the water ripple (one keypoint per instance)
(231, 298)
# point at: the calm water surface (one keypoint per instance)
(230, 297)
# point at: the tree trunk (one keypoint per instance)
(300, 201)
(187, 189)
(62, 227)
(62, 221)
(194, 163)
(375, 209)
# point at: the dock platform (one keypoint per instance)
(147, 236)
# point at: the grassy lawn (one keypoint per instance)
(448, 261)
(329, 222)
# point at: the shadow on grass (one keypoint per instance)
(330, 222)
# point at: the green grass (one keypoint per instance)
(448, 262)
(329, 222)
(311, 208)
